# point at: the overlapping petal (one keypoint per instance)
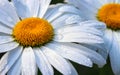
(9, 59)
(8, 15)
(42, 62)
(28, 63)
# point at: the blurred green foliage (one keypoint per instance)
(56, 1)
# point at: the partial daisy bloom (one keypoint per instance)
(35, 35)
(107, 11)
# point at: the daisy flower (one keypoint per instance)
(107, 11)
(35, 35)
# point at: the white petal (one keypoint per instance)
(108, 38)
(66, 19)
(5, 30)
(110, 1)
(54, 16)
(59, 10)
(93, 24)
(115, 53)
(87, 2)
(95, 57)
(79, 28)
(28, 62)
(16, 68)
(80, 37)
(73, 19)
(44, 4)
(5, 39)
(73, 71)
(60, 21)
(51, 9)
(8, 46)
(69, 9)
(8, 14)
(70, 54)
(9, 59)
(117, 34)
(97, 3)
(108, 41)
(84, 32)
(117, 1)
(87, 8)
(100, 48)
(53, 13)
(42, 62)
(103, 2)
(57, 61)
(27, 8)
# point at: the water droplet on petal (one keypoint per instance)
(60, 31)
(58, 37)
(89, 34)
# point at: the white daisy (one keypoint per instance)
(107, 11)
(36, 35)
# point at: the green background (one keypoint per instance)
(82, 70)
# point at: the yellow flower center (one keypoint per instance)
(110, 14)
(33, 32)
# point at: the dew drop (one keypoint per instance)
(89, 34)
(58, 37)
(60, 30)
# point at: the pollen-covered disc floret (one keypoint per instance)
(110, 14)
(33, 32)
